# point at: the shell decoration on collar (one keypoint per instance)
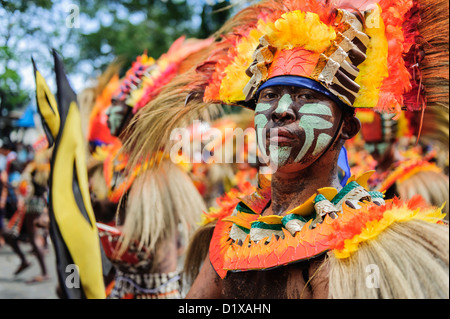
(244, 239)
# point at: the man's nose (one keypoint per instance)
(286, 116)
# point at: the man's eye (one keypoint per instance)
(269, 95)
(306, 96)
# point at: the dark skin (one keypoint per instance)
(119, 116)
(292, 184)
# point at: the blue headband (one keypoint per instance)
(302, 82)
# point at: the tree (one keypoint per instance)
(11, 95)
(213, 17)
(136, 26)
(23, 35)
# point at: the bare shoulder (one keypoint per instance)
(308, 280)
(318, 277)
(207, 285)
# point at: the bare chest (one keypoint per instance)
(288, 282)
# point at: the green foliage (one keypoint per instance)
(11, 96)
(18, 22)
(213, 17)
(23, 6)
(149, 26)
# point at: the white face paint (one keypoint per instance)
(115, 118)
(322, 141)
(260, 122)
(316, 108)
(279, 154)
(284, 103)
(261, 107)
(310, 123)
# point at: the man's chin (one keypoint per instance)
(289, 167)
(280, 167)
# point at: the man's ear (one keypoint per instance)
(351, 127)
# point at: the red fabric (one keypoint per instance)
(372, 132)
(297, 61)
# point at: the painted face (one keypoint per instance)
(294, 125)
(377, 150)
(379, 134)
(117, 114)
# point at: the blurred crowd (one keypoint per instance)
(23, 203)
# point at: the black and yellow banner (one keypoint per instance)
(72, 222)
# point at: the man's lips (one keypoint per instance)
(280, 135)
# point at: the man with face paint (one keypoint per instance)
(119, 115)
(303, 131)
(304, 67)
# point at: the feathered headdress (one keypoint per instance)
(367, 53)
(144, 80)
(378, 54)
(98, 131)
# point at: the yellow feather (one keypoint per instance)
(374, 69)
(232, 86)
(298, 29)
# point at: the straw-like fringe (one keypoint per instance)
(434, 30)
(160, 204)
(432, 186)
(151, 128)
(434, 71)
(435, 129)
(409, 261)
